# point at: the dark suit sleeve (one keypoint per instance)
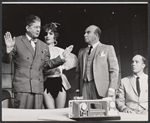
(52, 63)
(7, 57)
(120, 97)
(113, 68)
(78, 71)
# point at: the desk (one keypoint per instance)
(9, 114)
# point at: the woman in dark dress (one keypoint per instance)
(56, 82)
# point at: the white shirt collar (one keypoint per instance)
(140, 76)
(28, 37)
(94, 45)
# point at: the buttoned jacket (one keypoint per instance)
(105, 68)
(29, 65)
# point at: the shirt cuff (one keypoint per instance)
(111, 89)
(61, 68)
(9, 49)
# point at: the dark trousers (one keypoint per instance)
(28, 100)
(89, 90)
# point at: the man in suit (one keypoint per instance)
(30, 58)
(132, 94)
(97, 70)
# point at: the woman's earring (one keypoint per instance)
(55, 42)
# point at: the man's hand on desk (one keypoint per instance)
(128, 110)
(111, 93)
(144, 112)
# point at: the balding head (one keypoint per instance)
(138, 64)
(92, 34)
(140, 57)
(92, 28)
(97, 30)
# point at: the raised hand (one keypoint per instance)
(67, 51)
(8, 40)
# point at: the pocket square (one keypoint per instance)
(102, 54)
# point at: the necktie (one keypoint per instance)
(90, 50)
(138, 85)
(33, 43)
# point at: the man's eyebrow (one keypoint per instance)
(87, 31)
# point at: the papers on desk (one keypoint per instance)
(55, 117)
(133, 117)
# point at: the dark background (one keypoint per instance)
(74, 18)
(125, 26)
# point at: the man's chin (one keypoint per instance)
(37, 35)
(134, 71)
(86, 41)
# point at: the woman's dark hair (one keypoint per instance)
(53, 27)
(31, 19)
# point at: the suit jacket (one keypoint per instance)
(29, 65)
(105, 68)
(127, 94)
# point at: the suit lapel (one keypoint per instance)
(85, 55)
(27, 43)
(144, 85)
(132, 82)
(37, 50)
(98, 49)
(84, 59)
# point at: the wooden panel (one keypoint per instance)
(135, 43)
(111, 34)
(6, 81)
(117, 48)
(6, 68)
(106, 36)
(140, 40)
(116, 33)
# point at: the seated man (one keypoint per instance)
(132, 95)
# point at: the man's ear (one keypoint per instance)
(143, 66)
(27, 28)
(96, 36)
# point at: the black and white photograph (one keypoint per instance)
(74, 61)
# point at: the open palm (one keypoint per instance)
(8, 39)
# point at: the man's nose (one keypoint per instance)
(38, 29)
(133, 64)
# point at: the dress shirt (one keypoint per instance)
(28, 37)
(32, 41)
(94, 45)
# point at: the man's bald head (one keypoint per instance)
(97, 30)
(140, 57)
(92, 34)
(138, 64)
